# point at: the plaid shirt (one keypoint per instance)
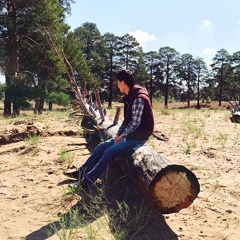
(137, 111)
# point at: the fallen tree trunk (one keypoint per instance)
(170, 187)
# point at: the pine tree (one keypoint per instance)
(219, 66)
(28, 62)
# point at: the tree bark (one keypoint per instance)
(170, 187)
(12, 59)
(8, 98)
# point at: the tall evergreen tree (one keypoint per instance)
(72, 50)
(152, 63)
(109, 54)
(187, 73)
(129, 51)
(169, 59)
(43, 61)
(10, 47)
(219, 67)
(235, 60)
(141, 73)
(201, 71)
(27, 58)
(90, 40)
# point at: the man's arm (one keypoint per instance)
(137, 111)
(120, 130)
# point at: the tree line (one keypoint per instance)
(31, 30)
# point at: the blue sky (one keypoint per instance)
(197, 27)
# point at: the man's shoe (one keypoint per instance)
(71, 174)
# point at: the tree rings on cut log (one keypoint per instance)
(170, 186)
(174, 188)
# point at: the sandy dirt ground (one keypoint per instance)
(32, 184)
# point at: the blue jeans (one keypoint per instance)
(102, 155)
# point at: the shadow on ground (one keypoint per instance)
(127, 208)
(137, 216)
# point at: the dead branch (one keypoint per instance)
(70, 74)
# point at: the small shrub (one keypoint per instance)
(66, 157)
(209, 100)
(89, 218)
(222, 138)
(33, 140)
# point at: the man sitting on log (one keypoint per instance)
(136, 128)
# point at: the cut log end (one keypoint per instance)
(173, 189)
(235, 118)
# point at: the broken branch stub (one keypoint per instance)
(99, 105)
(117, 115)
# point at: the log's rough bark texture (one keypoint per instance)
(235, 117)
(234, 108)
(170, 187)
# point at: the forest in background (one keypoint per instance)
(32, 31)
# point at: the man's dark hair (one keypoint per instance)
(126, 76)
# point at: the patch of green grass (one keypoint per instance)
(66, 157)
(222, 138)
(189, 146)
(165, 112)
(66, 228)
(94, 217)
(33, 140)
(69, 194)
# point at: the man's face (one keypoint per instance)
(121, 85)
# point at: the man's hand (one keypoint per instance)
(117, 139)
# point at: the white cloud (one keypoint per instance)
(208, 55)
(209, 51)
(206, 23)
(142, 36)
